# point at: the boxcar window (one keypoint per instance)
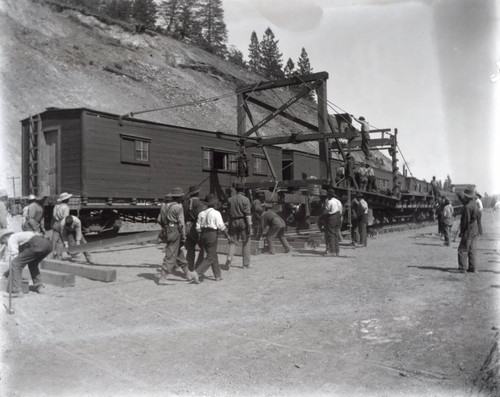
(135, 150)
(259, 165)
(219, 160)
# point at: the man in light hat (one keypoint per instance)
(208, 225)
(61, 211)
(3, 208)
(171, 220)
(33, 214)
(468, 233)
(25, 248)
(365, 136)
(192, 207)
(257, 211)
(332, 221)
(240, 226)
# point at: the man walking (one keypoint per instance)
(332, 221)
(240, 226)
(362, 220)
(273, 225)
(208, 225)
(468, 233)
(447, 221)
(192, 207)
(171, 220)
(25, 248)
(354, 222)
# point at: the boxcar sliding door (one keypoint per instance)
(49, 164)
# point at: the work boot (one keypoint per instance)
(195, 279)
(227, 265)
(39, 288)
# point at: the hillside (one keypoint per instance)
(62, 58)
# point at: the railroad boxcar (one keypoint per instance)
(124, 167)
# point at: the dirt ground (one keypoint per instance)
(393, 319)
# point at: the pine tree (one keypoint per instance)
(270, 62)
(118, 9)
(303, 64)
(144, 12)
(187, 28)
(290, 69)
(210, 16)
(254, 53)
(170, 10)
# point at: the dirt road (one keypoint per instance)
(391, 319)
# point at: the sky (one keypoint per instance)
(430, 68)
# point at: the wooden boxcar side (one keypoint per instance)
(176, 157)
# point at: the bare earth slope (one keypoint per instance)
(62, 59)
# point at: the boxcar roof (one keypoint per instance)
(129, 119)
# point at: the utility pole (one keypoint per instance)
(13, 183)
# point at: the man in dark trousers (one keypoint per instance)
(468, 233)
(362, 220)
(257, 211)
(332, 221)
(365, 136)
(171, 220)
(25, 248)
(192, 207)
(273, 225)
(354, 221)
(240, 226)
(447, 221)
(208, 225)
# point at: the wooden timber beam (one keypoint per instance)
(295, 138)
(285, 106)
(283, 114)
(136, 238)
(267, 85)
(374, 143)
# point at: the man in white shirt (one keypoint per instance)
(332, 221)
(25, 248)
(208, 225)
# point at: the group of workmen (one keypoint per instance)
(30, 246)
(187, 221)
(192, 223)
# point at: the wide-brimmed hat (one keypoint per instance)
(469, 193)
(3, 193)
(322, 192)
(177, 192)
(193, 190)
(330, 192)
(64, 196)
(239, 186)
(211, 200)
(359, 195)
(361, 118)
(5, 232)
(168, 196)
(260, 193)
(31, 197)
